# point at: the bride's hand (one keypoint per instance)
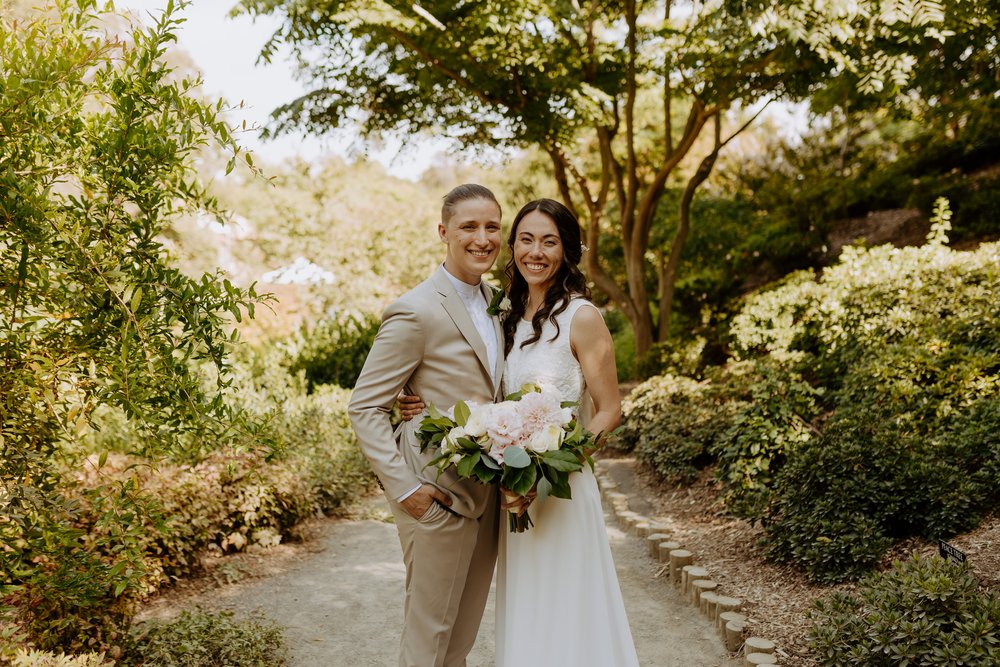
(409, 406)
(514, 503)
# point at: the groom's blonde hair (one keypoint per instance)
(465, 192)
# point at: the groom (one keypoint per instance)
(439, 342)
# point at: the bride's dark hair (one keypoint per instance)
(568, 282)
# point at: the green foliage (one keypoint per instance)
(674, 356)
(863, 162)
(624, 343)
(868, 480)
(376, 235)
(924, 611)
(764, 431)
(627, 104)
(29, 658)
(334, 350)
(204, 639)
(231, 499)
(908, 342)
(97, 153)
(865, 409)
(673, 422)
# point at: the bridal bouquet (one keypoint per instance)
(529, 442)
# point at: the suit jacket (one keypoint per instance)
(428, 344)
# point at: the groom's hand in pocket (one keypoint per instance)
(416, 505)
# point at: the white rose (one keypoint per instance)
(475, 426)
(546, 440)
(456, 458)
(451, 440)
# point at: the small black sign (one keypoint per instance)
(949, 552)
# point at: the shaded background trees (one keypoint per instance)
(623, 98)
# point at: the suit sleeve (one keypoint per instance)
(395, 354)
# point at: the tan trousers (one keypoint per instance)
(449, 567)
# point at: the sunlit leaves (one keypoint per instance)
(97, 142)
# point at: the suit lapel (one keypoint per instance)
(455, 308)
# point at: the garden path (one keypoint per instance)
(341, 602)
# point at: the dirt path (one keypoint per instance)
(340, 601)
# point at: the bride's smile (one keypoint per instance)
(538, 250)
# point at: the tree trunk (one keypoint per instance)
(668, 271)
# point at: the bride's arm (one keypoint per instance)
(409, 405)
(592, 346)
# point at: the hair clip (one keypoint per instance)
(583, 247)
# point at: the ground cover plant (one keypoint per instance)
(203, 639)
(923, 611)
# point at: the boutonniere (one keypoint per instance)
(499, 304)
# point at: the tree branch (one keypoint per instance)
(697, 117)
(559, 171)
(628, 211)
(668, 272)
(668, 123)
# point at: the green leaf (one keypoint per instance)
(489, 462)
(562, 460)
(560, 485)
(544, 488)
(520, 480)
(466, 465)
(516, 457)
(462, 413)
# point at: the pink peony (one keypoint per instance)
(541, 409)
(504, 424)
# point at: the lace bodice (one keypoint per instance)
(547, 361)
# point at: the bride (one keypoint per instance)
(558, 599)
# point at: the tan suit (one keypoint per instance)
(428, 343)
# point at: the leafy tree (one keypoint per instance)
(98, 142)
(624, 97)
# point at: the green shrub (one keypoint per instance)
(202, 639)
(334, 350)
(232, 499)
(30, 658)
(17, 651)
(846, 495)
(100, 147)
(624, 343)
(672, 422)
(674, 357)
(864, 409)
(763, 432)
(924, 611)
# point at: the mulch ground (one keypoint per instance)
(777, 597)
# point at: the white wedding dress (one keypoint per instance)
(558, 599)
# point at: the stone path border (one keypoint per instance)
(633, 513)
